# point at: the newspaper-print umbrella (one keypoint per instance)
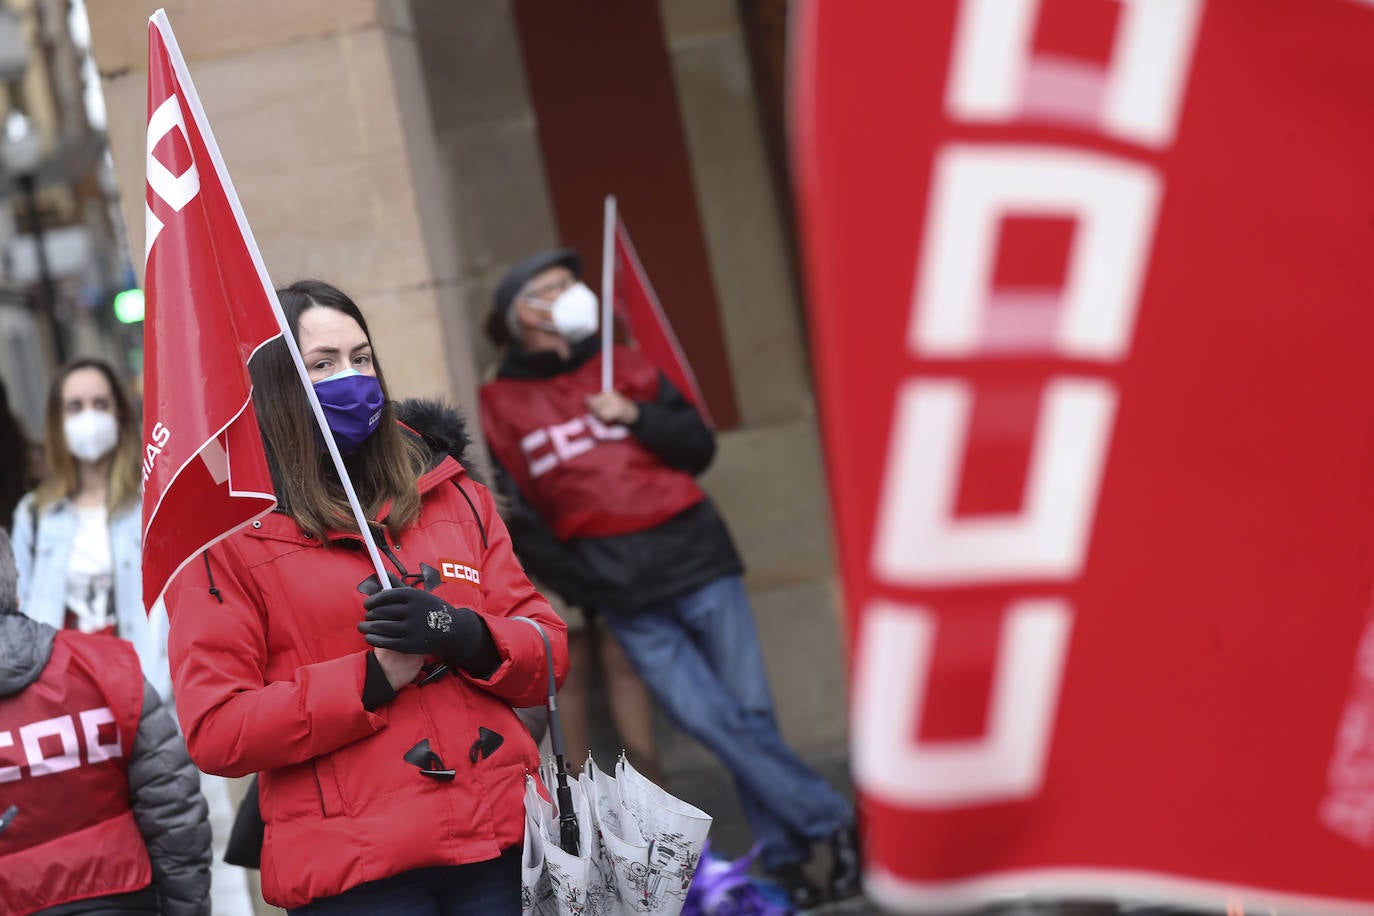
(639, 847)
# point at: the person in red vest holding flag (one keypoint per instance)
(605, 510)
(388, 784)
(100, 808)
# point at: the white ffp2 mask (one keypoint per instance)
(575, 313)
(90, 434)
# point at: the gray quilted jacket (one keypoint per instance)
(164, 787)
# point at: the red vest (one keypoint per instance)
(64, 762)
(586, 479)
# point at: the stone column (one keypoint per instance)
(488, 144)
(320, 109)
(734, 190)
(768, 476)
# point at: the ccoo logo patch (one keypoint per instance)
(453, 571)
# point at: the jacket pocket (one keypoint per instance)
(289, 793)
(331, 798)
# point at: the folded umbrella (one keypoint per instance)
(605, 845)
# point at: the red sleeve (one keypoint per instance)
(236, 722)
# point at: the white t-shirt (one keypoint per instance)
(90, 573)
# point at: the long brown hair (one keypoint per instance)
(63, 480)
(385, 469)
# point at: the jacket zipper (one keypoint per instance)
(380, 536)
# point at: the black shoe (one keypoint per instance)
(846, 872)
(801, 891)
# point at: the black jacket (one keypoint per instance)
(628, 572)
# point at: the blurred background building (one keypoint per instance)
(410, 150)
(63, 255)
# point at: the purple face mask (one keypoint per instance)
(352, 405)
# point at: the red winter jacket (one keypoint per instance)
(268, 671)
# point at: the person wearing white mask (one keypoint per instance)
(603, 508)
(77, 540)
(546, 320)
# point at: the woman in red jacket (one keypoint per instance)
(384, 787)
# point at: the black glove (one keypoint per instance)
(410, 620)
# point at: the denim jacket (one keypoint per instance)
(42, 556)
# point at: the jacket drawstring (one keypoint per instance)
(481, 529)
(205, 555)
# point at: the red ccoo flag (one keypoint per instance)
(210, 306)
(1090, 288)
(637, 305)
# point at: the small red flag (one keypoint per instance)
(210, 306)
(638, 307)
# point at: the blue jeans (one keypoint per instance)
(699, 655)
(490, 888)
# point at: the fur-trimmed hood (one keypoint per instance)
(441, 426)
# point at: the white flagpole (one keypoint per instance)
(608, 294)
(203, 123)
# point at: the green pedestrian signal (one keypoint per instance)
(128, 306)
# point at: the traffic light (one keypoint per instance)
(128, 306)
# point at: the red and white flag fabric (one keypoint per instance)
(1091, 289)
(210, 306)
(647, 326)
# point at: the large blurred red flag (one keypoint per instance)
(637, 305)
(210, 305)
(1091, 289)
